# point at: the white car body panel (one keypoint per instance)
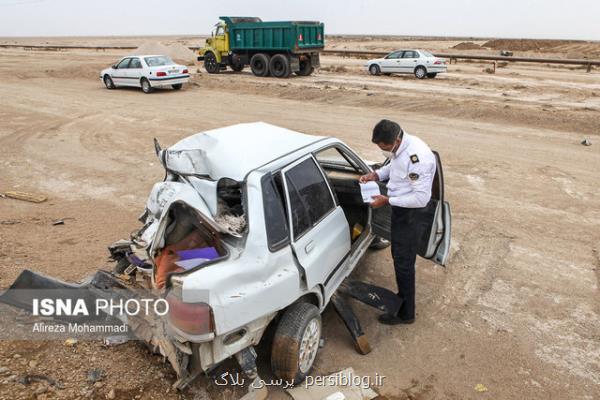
(132, 76)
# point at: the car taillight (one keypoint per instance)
(185, 71)
(192, 318)
(438, 62)
(160, 73)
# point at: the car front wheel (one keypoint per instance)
(296, 342)
(374, 69)
(146, 88)
(420, 72)
(108, 82)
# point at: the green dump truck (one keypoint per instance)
(270, 48)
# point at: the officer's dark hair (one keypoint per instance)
(387, 132)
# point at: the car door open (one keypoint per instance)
(320, 235)
(436, 221)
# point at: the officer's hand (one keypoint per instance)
(368, 178)
(380, 201)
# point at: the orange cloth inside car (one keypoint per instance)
(165, 261)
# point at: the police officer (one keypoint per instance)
(410, 175)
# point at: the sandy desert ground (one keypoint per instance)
(517, 309)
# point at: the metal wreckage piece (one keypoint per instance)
(152, 329)
(149, 328)
(371, 295)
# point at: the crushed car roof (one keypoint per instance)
(234, 151)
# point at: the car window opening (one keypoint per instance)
(343, 173)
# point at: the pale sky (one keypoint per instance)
(573, 19)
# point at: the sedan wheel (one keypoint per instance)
(374, 69)
(108, 82)
(420, 72)
(296, 342)
(146, 88)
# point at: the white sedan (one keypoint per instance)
(421, 63)
(147, 72)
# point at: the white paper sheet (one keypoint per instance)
(191, 263)
(368, 190)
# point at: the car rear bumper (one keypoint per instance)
(169, 80)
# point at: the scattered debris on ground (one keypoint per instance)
(344, 384)
(30, 197)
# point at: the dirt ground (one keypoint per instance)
(517, 309)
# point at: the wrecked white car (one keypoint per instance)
(256, 226)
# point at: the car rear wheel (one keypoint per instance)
(420, 72)
(280, 66)
(296, 342)
(210, 63)
(306, 68)
(259, 64)
(146, 88)
(432, 75)
(177, 86)
(374, 69)
(108, 82)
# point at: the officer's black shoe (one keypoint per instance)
(379, 243)
(388, 319)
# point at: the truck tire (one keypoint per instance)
(306, 68)
(280, 66)
(210, 63)
(259, 64)
(432, 75)
(421, 72)
(296, 342)
(237, 67)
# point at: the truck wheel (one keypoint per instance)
(306, 68)
(280, 66)
(146, 88)
(210, 63)
(108, 82)
(177, 86)
(237, 67)
(420, 72)
(259, 64)
(296, 342)
(432, 75)
(374, 69)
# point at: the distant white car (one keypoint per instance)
(421, 63)
(147, 72)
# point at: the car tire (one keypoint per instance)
(296, 342)
(259, 64)
(432, 75)
(108, 82)
(210, 63)
(146, 87)
(374, 70)
(421, 72)
(280, 66)
(306, 68)
(177, 86)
